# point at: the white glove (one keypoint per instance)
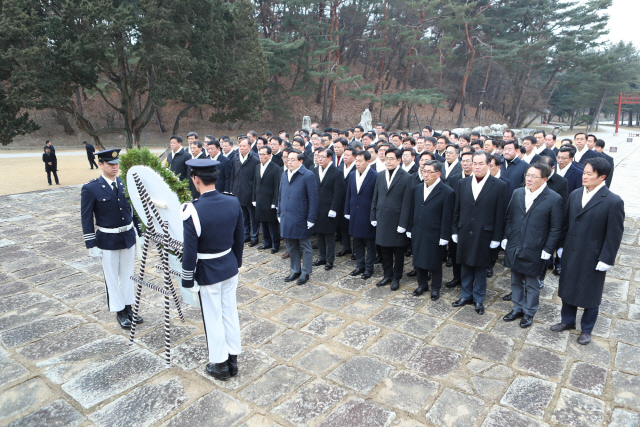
(138, 247)
(374, 223)
(454, 237)
(401, 230)
(332, 214)
(443, 242)
(602, 266)
(494, 244)
(348, 216)
(504, 244)
(273, 206)
(559, 252)
(545, 255)
(408, 234)
(278, 219)
(309, 225)
(254, 204)
(95, 252)
(195, 289)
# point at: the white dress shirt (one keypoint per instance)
(527, 157)
(407, 168)
(264, 167)
(530, 197)
(449, 167)
(588, 195)
(389, 176)
(290, 174)
(579, 154)
(322, 172)
(428, 190)
(360, 178)
(243, 159)
(561, 171)
(476, 187)
(346, 169)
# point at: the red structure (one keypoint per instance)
(626, 98)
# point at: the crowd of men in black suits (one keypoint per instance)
(441, 198)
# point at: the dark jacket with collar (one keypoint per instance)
(358, 205)
(560, 186)
(454, 176)
(177, 163)
(391, 208)
(514, 172)
(331, 193)
(265, 192)
(611, 162)
(297, 204)
(224, 179)
(588, 155)
(413, 169)
(342, 221)
(242, 177)
(277, 159)
(49, 158)
(573, 177)
(192, 186)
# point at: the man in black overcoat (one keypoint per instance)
(90, 156)
(594, 223)
(177, 157)
(50, 164)
(331, 195)
(600, 149)
(243, 173)
(346, 167)
(478, 226)
(533, 229)
(430, 228)
(451, 167)
(391, 215)
(215, 153)
(569, 169)
(513, 168)
(265, 198)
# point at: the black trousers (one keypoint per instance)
(589, 316)
(55, 175)
(271, 234)
(457, 268)
(423, 280)
(326, 247)
(345, 238)
(92, 160)
(392, 261)
(359, 246)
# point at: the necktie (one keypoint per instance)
(115, 187)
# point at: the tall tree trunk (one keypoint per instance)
(62, 119)
(603, 97)
(181, 113)
(160, 120)
(433, 116)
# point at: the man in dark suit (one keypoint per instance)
(541, 149)
(197, 152)
(253, 140)
(347, 166)
(177, 157)
(568, 169)
(451, 167)
(265, 198)
(331, 193)
(242, 180)
(391, 215)
(550, 143)
(50, 163)
(275, 143)
(533, 229)
(594, 223)
(338, 149)
(583, 153)
(430, 228)
(513, 168)
(357, 209)
(215, 153)
(90, 156)
(409, 164)
(298, 144)
(227, 148)
(555, 182)
(478, 226)
(373, 153)
(529, 144)
(600, 149)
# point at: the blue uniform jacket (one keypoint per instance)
(110, 211)
(358, 205)
(219, 232)
(297, 204)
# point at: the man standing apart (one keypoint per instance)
(297, 213)
(50, 162)
(242, 176)
(90, 154)
(533, 229)
(212, 256)
(594, 221)
(265, 198)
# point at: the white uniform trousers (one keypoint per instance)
(118, 269)
(220, 318)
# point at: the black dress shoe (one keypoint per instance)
(344, 252)
(353, 257)
(490, 272)
(395, 285)
(453, 283)
(379, 259)
(232, 363)
(366, 276)
(385, 281)
(292, 277)
(479, 308)
(263, 247)
(507, 297)
(130, 314)
(560, 327)
(253, 243)
(247, 239)
(513, 315)
(449, 262)
(584, 338)
(318, 262)
(219, 371)
(526, 321)
(357, 272)
(557, 271)
(303, 279)
(329, 266)
(461, 302)
(412, 273)
(274, 250)
(123, 319)
(435, 294)
(419, 291)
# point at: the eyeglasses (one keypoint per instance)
(528, 175)
(429, 172)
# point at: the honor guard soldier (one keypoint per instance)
(104, 199)
(212, 256)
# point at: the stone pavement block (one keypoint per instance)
(63, 342)
(216, 409)
(488, 388)
(23, 396)
(154, 340)
(254, 274)
(588, 378)
(406, 299)
(333, 301)
(622, 418)
(272, 385)
(287, 345)
(39, 329)
(58, 413)
(612, 308)
(244, 318)
(634, 312)
(259, 421)
(628, 358)
(617, 290)
(391, 317)
(455, 409)
(548, 313)
(30, 314)
(360, 373)
(144, 406)
(529, 395)
(357, 334)
(266, 304)
(323, 325)
(630, 261)
(329, 277)
(510, 330)
(100, 383)
(394, 347)
(420, 325)
(251, 364)
(467, 315)
(502, 417)
(244, 294)
(306, 292)
(434, 361)
(295, 315)
(92, 305)
(627, 331)
(491, 347)
(63, 283)
(350, 283)
(453, 337)
(441, 308)
(596, 352)
(619, 272)
(13, 288)
(542, 336)
(309, 402)
(407, 391)
(52, 275)
(22, 301)
(191, 354)
(357, 413)
(319, 360)
(10, 370)
(538, 361)
(72, 295)
(259, 332)
(274, 282)
(477, 366)
(577, 409)
(362, 307)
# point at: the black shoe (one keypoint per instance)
(357, 272)
(453, 283)
(435, 294)
(449, 262)
(274, 250)
(314, 247)
(123, 319)
(329, 266)
(219, 371)
(353, 257)
(419, 291)
(292, 277)
(247, 239)
(263, 247)
(303, 279)
(253, 243)
(130, 314)
(490, 272)
(412, 273)
(560, 327)
(318, 262)
(366, 276)
(557, 271)
(479, 308)
(507, 297)
(526, 321)
(584, 338)
(395, 284)
(379, 259)
(344, 252)
(232, 363)
(385, 281)
(513, 315)
(461, 302)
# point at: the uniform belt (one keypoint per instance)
(212, 256)
(116, 230)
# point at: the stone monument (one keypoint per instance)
(306, 123)
(365, 120)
